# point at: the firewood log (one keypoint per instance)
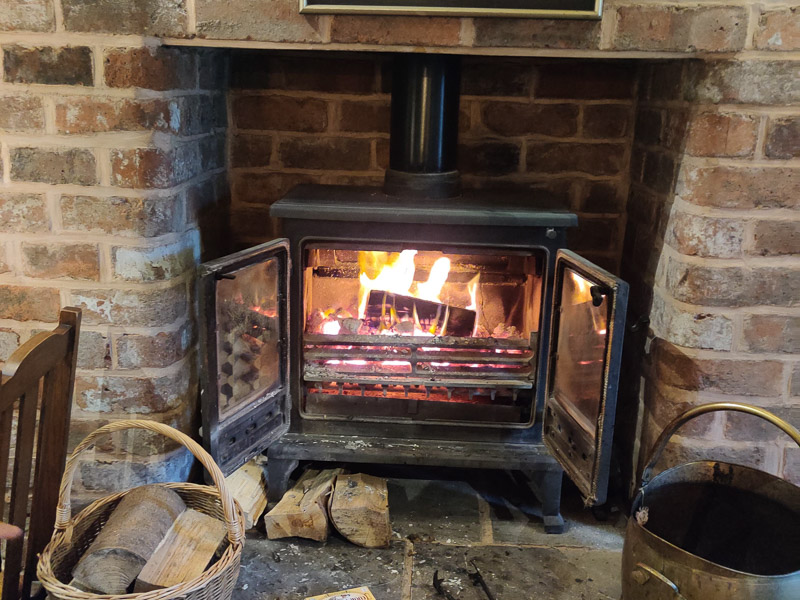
(359, 510)
(127, 541)
(248, 484)
(302, 512)
(184, 553)
(390, 310)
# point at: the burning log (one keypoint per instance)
(386, 310)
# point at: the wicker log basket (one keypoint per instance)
(72, 536)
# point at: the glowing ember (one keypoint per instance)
(331, 328)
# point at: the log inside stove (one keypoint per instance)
(402, 314)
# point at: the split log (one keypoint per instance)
(302, 512)
(248, 485)
(184, 553)
(359, 510)
(127, 541)
(390, 310)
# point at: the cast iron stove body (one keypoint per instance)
(452, 330)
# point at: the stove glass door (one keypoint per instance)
(588, 322)
(245, 325)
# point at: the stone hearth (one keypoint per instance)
(138, 138)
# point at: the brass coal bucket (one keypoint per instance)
(711, 530)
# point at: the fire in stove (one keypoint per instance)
(416, 327)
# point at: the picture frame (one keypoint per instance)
(543, 9)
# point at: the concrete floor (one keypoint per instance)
(445, 525)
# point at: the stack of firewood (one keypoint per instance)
(356, 505)
(150, 541)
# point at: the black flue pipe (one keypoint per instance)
(424, 126)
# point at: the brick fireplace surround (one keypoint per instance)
(138, 137)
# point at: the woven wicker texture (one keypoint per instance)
(73, 536)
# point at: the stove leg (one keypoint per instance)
(278, 472)
(546, 484)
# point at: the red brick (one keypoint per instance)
(253, 223)
(281, 113)
(771, 83)
(712, 29)
(537, 33)
(659, 171)
(777, 238)
(88, 115)
(346, 154)
(75, 166)
(714, 134)
(152, 168)
(663, 403)
(146, 217)
(743, 187)
(9, 342)
(382, 153)
(791, 465)
(367, 116)
(21, 303)
(795, 388)
(493, 158)
(748, 428)
(159, 69)
(778, 29)
(593, 234)
(594, 159)
(496, 77)
(772, 333)
(783, 138)
(142, 307)
(27, 15)
(94, 350)
(606, 120)
(280, 21)
(649, 126)
(266, 188)
(396, 30)
(5, 262)
(305, 72)
(601, 197)
(684, 450)
(725, 376)
(153, 351)
(143, 17)
(23, 213)
(58, 261)
(733, 286)
(251, 150)
(133, 395)
(585, 80)
(157, 263)
(21, 113)
(523, 118)
(697, 235)
(54, 66)
(663, 80)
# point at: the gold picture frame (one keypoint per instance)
(542, 9)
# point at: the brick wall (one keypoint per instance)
(711, 251)
(112, 157)
(113, 180)
(561, 129)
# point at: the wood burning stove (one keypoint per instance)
(415, 324)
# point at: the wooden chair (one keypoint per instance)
(39, 375)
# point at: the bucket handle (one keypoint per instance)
(690, 414)
(646, 571)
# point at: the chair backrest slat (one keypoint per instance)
(46, 362)
(6, 419)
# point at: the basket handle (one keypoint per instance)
(680, 420)
(63, 511)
